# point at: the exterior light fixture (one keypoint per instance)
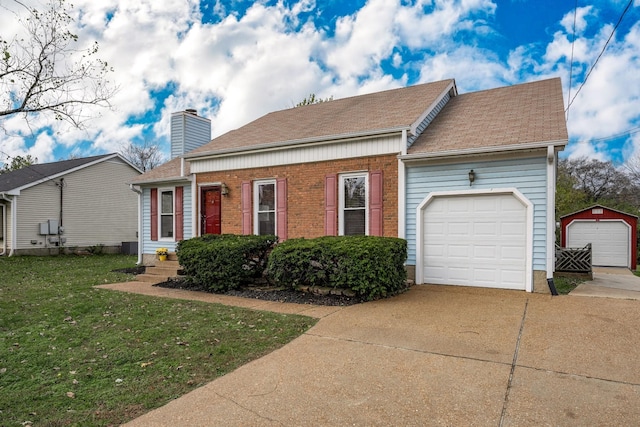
(472, 177)
(224, 190)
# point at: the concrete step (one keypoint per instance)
(164, 270)
(152, 278)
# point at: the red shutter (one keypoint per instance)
(281, 208)
(179, 202)
(331, 205)
(375, 203)
(154, 214)
(246, 207)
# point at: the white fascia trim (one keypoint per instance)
(414, 125)
(528, 285)
(482, 150)
(281, 145)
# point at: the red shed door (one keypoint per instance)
(210, 210)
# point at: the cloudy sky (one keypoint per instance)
(235, 60)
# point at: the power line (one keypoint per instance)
(598, 58)
(573, 43)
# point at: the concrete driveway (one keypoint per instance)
(438, 355)
(610, 282)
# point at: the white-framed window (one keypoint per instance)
(353, 204)
(264, 207)
(166, 217)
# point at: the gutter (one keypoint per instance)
(481, 150)
(319, 140)
(138, 190)
(162, 181)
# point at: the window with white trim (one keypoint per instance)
(264, 207)
(353, 204)
(166, 209)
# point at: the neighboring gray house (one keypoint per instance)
(70, 204)
(468, 180)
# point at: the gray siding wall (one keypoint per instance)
(188, 132)
(98, 207)
(527, 175)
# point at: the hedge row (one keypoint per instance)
(226, 261)
(372, 267)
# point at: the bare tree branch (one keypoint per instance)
(43, 72)
(145, 156)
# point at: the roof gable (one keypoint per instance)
(390, 110)
(598, 207)
(31, 175)
(514, 115)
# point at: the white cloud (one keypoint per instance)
(579, 18)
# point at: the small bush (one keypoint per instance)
(224, 262)
(372, 267)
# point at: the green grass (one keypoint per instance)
(564, 285)
(73, 355)
(637, 272)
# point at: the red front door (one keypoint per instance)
(211, 210)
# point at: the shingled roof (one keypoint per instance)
(27, 175)
(388, 110)
(523, 114)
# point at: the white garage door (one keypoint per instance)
(477, 240)
(609, 241)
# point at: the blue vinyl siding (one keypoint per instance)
(151, 246)
(529, 176)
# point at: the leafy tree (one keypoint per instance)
(312, 99)
(145, 156)
(18, 162)
(41, 71)
(584, 182)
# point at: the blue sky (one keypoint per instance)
(236, 60)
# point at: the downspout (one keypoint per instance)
(14, 225)
(402, 188)
(138, 190)
(60, 228)
(551, 217)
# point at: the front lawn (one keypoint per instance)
(74, 355)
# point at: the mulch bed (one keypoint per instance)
(272, 294)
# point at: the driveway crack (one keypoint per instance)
(513, 365)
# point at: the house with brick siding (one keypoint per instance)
(369, 164)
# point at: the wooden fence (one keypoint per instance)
(574, 260)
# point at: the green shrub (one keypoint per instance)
(372, 267)
(223, 262)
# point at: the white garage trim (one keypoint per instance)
(513, 191)
(628, 241)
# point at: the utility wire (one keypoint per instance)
(573, 43)
(598, 58)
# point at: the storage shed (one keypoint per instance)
(612, 234)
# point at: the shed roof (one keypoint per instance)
(595, 207)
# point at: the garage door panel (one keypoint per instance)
(482, 237)
(610, 241)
